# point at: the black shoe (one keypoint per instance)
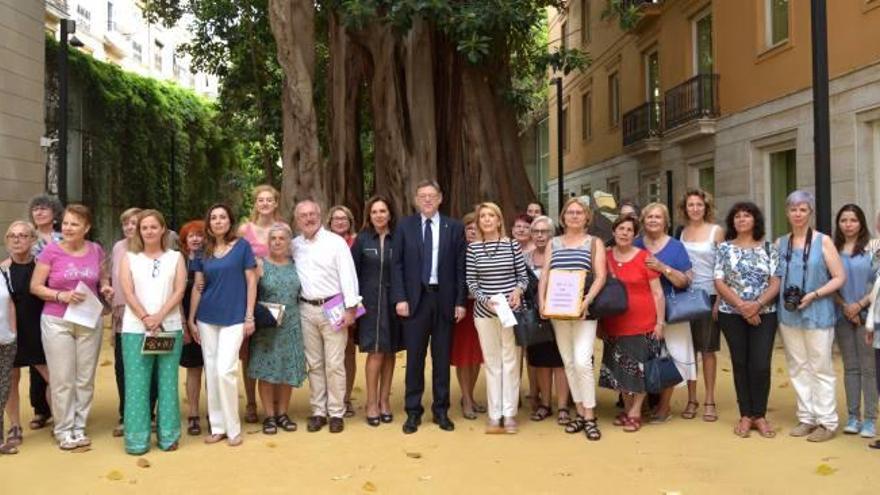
(336, 425)
(373, 420)
(444, 423)
(316, 423)
(412, 423)
(386, 418)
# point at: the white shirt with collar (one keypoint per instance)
(435, 245)
(325, 267)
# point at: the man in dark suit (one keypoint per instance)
(428, 288)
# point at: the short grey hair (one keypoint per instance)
(280, 227)
(799, 197)
(542, 218)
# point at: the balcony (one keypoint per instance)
(642, 128)
(691, 108)
(646, 11)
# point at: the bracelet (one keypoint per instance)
(248, 318)
(57, 295)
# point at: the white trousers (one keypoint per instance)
(501, 362)
(220, 346)
(325, 355)
(72, 357)
(811, 370)
(575, 339)
(680, 344)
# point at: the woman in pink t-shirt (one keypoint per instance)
(71, 349)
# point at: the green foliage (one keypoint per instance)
(131, 123)
(628, 13)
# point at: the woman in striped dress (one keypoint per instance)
(495, 265)
(576, 250)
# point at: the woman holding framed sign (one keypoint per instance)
(573, 256)
(153, 280)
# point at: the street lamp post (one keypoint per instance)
(821, 126)
(68, 27)
(560, 144)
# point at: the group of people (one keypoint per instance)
(281, 302)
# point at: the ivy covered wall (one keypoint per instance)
(132, 127)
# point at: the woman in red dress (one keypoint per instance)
(466, 354)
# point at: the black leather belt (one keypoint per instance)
(432, 287)
(314, 302)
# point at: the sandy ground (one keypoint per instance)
(678, 457)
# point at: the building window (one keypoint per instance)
(612, 187)
(702, 175)
(138, 51)
(587, 115)
(614, 100)
(157, 57)
(586, 34)
(783, 180)
(111, 25)
(566, 128)
(563, 37)
(776, 21)
(543, 159)
(704, 62)
(83, 19)
(651, 188)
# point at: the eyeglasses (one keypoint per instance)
(156, 264)
(18, 237)
(339, 219)
(541, 231)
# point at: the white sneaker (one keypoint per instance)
(81, 440)
(68, 442)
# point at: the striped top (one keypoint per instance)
(494, 267)
(575, 258)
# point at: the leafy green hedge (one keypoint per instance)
(129, 122)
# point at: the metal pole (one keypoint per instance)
(560, 144)
(670, 199)
(821, 127)
(67, 28)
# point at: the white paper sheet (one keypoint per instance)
(502, 309)
(86, 313)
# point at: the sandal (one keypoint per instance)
(250, 415)
(874, 445)
(386, 417)
(591, 430)
(631, 424)
(39, 422)
(541, 413)
(689, 412)
(467, 414)
(172, 447)
(285, 423)
(763, 427)
(6, 449)
(270, 427)
(563, 416)
(712, 416)
(576, 425)
(349, 410)
(479, 408)
(620, 419)
(193, 427)
(743, 427)
(14, 436)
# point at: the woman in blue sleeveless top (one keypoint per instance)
(811, 272)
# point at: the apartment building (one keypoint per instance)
(115, 31)
(715, 94)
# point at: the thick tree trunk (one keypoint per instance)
(293, 25)
(345, 80)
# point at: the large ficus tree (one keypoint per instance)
(444, 84)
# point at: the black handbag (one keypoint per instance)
(530, 328)
(661, 372)
(612, 299)
(263, 317)
(689, 305)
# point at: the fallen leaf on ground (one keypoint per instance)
(106, 362)
(357, 389)
(829, 458)
(427, 477)
(114, 475)
(341, 477)
(271, 445)
(783, 385)
(564, 474)
(369, 487)
(143, 463)
(726, 370)
(825, 470)
(81, 450)
(252, 432)
(414, 455)
(780, 370)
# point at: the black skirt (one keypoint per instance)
(623, 362)
(544, 355)
(28, 309)
(191, 356)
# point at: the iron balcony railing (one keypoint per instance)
(695, 98)
(643, 122)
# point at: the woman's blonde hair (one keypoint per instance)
(502, 232)
(136, 242)
(254, 216)
(348, 214)
(127, 214)
(580, 200)
(656, 206)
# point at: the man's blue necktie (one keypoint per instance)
(427, 252)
